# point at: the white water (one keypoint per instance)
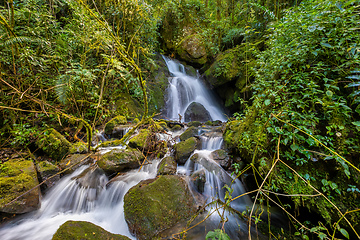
(184, 90)
(85, 198)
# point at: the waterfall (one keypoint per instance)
(85, 195)
(184, 90)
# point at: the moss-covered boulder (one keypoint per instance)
(167, 166)
(190, 132)
(141, 140)
(197, 112)
(116, 121)
(79, 147)
(17, 176)
(74, 160)
(184, 149)
(46, 171)
(126, 105)
(157, 204)
(194, 123)
(81, 230)
(221, 157)
(192, 50)
(118, 160)
(53, 144)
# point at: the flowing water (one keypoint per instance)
(185, 89)
(88, 195)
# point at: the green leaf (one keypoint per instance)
(344, 232)
(329, 93)
(326, 45)
(267, 102)
(357, 123)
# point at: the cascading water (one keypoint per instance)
(81, 196)
(184, 90)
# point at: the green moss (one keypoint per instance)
(154, 205)
(119, 120)
(194, 123)
(120, 159)
(16, 177)
(78, 147)
(54, 144)
(80, 230)
(167, 166)
(184, 149)
(141, 140)
(190, 132)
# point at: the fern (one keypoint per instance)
(264, 9)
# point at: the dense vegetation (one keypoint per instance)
(287, 69)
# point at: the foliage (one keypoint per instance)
(217, 234)
(303, 108)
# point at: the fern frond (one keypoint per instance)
(62, 87)
(264, 9)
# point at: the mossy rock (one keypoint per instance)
(197, 112)
(46, 170)
(118, 160)
(194, 123)
(17, 176)
(54, 144)
(116, 121)
(176, 128)
(221, 157)
(127, 106)
(141, 140)
(74, 159)
(157, 204)
(192, 50)
(190, 132)
(81, 230)
(167, 166)
(79, 147)
(184, 149)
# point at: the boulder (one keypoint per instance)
(157, 204)
(141, 141)
(17, 176)
(116, 121)
(75, 160)
(79, 147)
(192, 50)
(119, 159)
(53, 144)
(184, 149)
(81, 230)
(194, 123)
(46, 170)
(198, 180)
(190, 132)
(221, 157)
(196, 112)
(167, 166)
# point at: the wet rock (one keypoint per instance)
(176, 128)
(198, 180)
(116, 121)
(214, 123)
(196, 112)
(54, 144)
(167, 166)
(184, 149)
(17, 176)
(141, 141)
(174, 124)
(190, 132)
(118, 160)
(75, 160)
(222, 158)
(194, 123)
(46, 171)
(94, 178)
(157, 204)
(76, 230)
